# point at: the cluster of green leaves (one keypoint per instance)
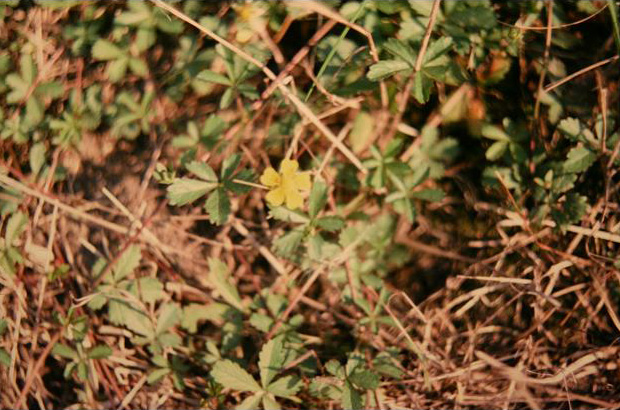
(182, 191)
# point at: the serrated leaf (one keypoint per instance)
(271, 358)
(65, 351)
(149, 290)
(202, 170)
(287, 244)
(232, 376)
(421, 90)
(285, 214)
(401, 50)
(194, 313)
(386, 68)
(318, 197)
(127, 262)
(186, 190)
(121, 313)
(169, 316)
(330, 223)
(105, 50)
(579, 159)
(213, 77)
(100, 352)
(285, 387)
(217, 206)
(219, 277)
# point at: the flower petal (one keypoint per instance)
(302, 181)
(270, 177)
(293, 199)
(289, 166)
(275, 197)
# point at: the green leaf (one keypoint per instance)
(36, 157)
(138, 67)
(213, 77)
(15, 227)
(330, 223)
(250, 402)
(386, 68)
(169, 316)
(579, 159)
(287, 244)
(100, 352)
(5, 358)
(318, 197)
(401, 50)
(421, 87)
(157, 374)
(351, 399)
(362, 131)
(117, 69)
(496, 150)
(576, 131)
(431, 195)
(149, 290)
(365, 379)
(219, 277)
(194, 313)
(229, 166)
(285, 387)
(269, 403)
(127, 262)
(271, 359)
(65, 351)
(232, 376)
(105, 50)
(494, 133)
(202, 170)
(218, 206)
(437, 49)
(185, 190)
(34, 111)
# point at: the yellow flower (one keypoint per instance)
(285, 185)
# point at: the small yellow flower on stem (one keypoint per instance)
(285, 185)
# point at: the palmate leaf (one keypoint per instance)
(232, 376)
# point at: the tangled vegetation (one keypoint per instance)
(362, 204)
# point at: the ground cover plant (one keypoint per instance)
(359, 204)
